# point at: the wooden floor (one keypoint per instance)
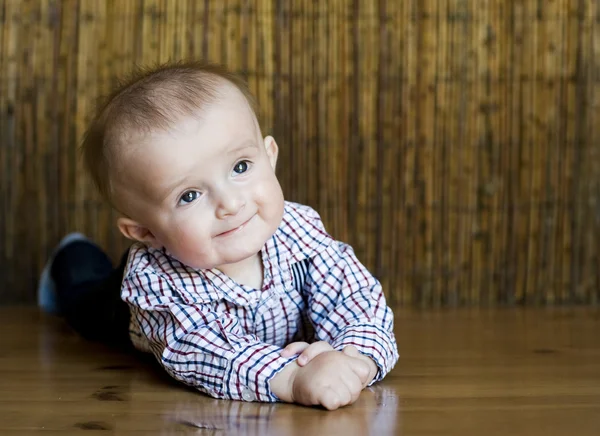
(466, 372)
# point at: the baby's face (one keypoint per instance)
(206, 189)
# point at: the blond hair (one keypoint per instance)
(150, 99)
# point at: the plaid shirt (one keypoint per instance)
(225, 339)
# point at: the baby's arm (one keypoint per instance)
(199, 346)
(347, 307)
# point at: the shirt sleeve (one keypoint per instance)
(198, 345)
(348, 307)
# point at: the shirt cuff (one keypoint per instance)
(372, 341)
(250, 372)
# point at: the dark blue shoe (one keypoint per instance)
(75, 261)
(46, 292)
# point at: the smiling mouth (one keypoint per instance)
(236, 229)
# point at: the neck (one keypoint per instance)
(248, 272)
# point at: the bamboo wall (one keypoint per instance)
(453, 143)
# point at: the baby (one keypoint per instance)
(234, 290)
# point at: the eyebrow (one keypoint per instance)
(169, 189)
(244, 146)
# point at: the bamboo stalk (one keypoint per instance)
(534, 146)
(410, 133)
(453, 83)
(585, 159)
(437, 209)
(386, 172)
(493, 188)
(324, 74)
(523, 162)
(368, 131)
(592, 292)
(27, 177)
(312, 75)
(503, 227)
(297, 104)
(267, 69)
(396, 265)
(232, 35)
(8, 122)
(41, 153)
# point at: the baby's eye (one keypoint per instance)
(189, 197)
(241, 167)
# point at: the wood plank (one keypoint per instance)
(462, 372)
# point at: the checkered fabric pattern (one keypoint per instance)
(225, 339)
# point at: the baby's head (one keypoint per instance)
(178, 151)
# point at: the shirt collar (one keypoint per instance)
(300, 236)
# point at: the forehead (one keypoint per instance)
(219, 125)
(229, 114)
(205, 136)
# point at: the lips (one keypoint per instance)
(235, 229)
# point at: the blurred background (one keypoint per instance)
(453, 143)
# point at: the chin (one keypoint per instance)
(241, 255)
(243, 250)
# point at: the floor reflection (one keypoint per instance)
(375, 413)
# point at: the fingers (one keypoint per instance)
(309, 351)
(312, 351)
(332, 380)
(351, 351)
(333, 399)
(294, 348)
(329, 400)
(354, 385)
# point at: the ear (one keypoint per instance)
(136, 232)
(272, 150)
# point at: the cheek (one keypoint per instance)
(191, 245)
(269, 191)
(271, 202)
(187, 232)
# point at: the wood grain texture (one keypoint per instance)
(464, 372)
(454, 144)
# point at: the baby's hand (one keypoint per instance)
(332, 379)
(309, 351)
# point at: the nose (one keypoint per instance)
(229, 203)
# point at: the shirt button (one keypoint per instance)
(248, 395)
